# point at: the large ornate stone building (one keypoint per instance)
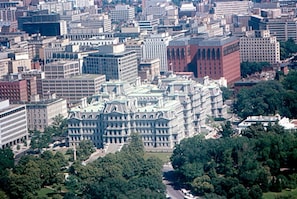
(163, 113)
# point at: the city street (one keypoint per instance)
(172, 189)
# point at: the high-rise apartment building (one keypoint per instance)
(13, 124)
(155, 46)
(113, 61)
(259, 46)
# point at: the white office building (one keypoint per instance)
(155, 46)
(228, 8)
(122, 13)
(13, 124)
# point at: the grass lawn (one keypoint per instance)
(165, 157)
(273, 195)
(44, 191)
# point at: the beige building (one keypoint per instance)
(4, 67)
(259, 46)
(149, 69)
(40, 114)
(73, 88)
(61, 69)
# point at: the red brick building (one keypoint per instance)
(216, 57)
(178, 55)
(18, 90)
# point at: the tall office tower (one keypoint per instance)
(216, 57)
(259, 46)
(155, 46)
(122, 13)
(179, 55)
(13, 124)
(114, 62)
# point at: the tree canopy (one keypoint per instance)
(287, 48)
(249, 68)
(238, 167)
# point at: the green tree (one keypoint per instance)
(6, 159)
(262, 99)
(202, 185)
(60, 125)
(226, 130)
(85, 149)
(249, 68)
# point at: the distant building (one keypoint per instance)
(74, 88)
(122, 13)
(61, 69)
(259, 46)
(40, 114)
(13, 124)
(149, 69)
(43, 23)
(266, 121)
(228, 8)
(113, 61)
(155, 46)
(283, 27)
(18, 89)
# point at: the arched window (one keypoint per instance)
(213, 54)
(177, 53)
(198, 54)
(203, 54)
(208, 53)
(182, 53)
(218, 53)
(168, 54)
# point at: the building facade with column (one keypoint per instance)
(13, 124)
(162, 114)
